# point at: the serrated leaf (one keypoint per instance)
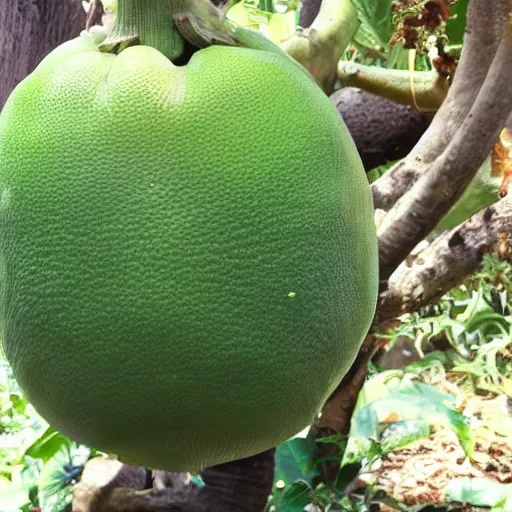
(377, 18)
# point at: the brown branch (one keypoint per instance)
(309, 10)
(29, 31)
(465, 130)
(448, 261)
(107, 485)
(481, 40)
(416, 214)
(430, 88)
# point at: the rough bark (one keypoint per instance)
(466, 137)
(95, 13)
(481, 40)
(110, 486)
(29, 30)
(382, 129)
(449, 260)
(417, 213)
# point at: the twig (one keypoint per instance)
(417, 213)
(481, 40)
(430, 88)
(452, 256)
(320, 47)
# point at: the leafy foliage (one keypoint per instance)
(38, 465)
(462, 345)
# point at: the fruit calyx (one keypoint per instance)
(165, 24)
(147, 22)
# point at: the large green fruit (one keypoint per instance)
(188, 255)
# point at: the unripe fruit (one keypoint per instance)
(188, 255)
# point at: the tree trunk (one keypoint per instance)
(29, 30)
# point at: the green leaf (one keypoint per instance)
(239, 14)
(411, 401)
(377, 18)
(400, 433)
(281, 26)
(398, 57)
(456, 25)
(294, 461)
(47, 445)
(295, 498)
(482, 492)
(58, 476)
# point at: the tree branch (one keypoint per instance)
(430, 88)
(416, 214)
(107, 485)
(320, 47)
(480, 115)
(481, 40)
(452, 256)
(29, 31)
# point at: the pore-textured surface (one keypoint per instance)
(188, 254)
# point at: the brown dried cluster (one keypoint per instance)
(418, 18)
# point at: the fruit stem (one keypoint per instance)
(147, 22)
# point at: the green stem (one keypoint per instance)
(426, 92)
(147, 22)
(320, 47)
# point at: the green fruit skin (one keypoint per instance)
(188, 254)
